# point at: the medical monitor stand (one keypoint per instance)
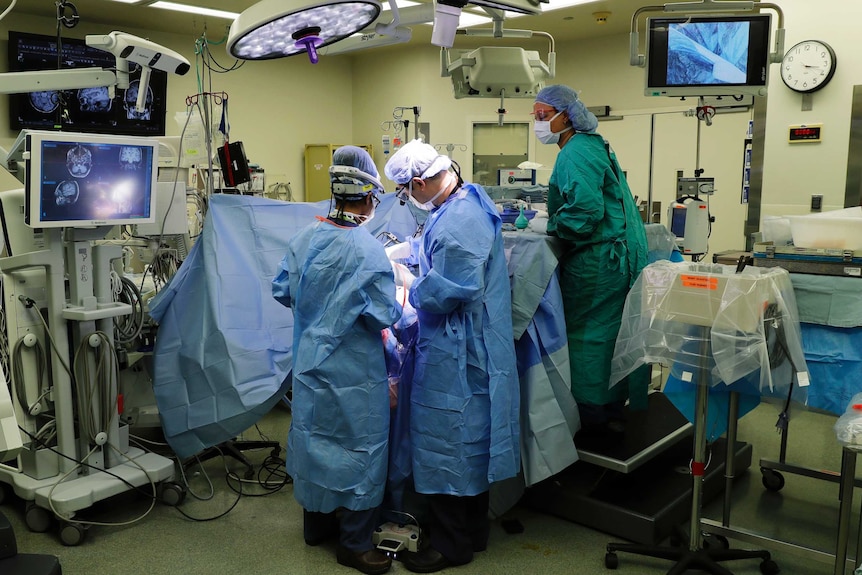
(695, 556)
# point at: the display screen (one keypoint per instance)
(81, 180)
(804, 133)
(86, 109)
(708, 56)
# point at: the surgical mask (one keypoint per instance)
(429, 205)
(543, 131)
(363, 219)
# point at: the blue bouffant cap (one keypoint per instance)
(564, 99)
(356, 157)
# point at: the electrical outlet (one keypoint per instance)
(816, 202)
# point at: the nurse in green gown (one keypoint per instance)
(592, 211)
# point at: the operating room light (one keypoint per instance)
(278, 28)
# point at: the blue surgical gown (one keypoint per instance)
(465, 394)
(339, 284)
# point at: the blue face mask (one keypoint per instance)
(543, 131)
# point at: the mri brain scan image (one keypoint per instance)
(131, 98)
(66, 193)
(79, 161)
(45, 102)
(131, 158)
(94, 99)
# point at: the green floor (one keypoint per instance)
(263, 535)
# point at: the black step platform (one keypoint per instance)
(639, 488)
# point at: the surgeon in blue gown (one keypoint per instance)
(465, 397)
(339, 283)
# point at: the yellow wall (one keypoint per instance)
(277, 107)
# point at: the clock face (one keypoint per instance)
(808, 66)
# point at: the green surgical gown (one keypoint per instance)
(592, 210)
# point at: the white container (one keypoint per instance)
(839, 229)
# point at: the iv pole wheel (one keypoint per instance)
(769, 567)
(37, 519)
(772, 480)
(612, 560)
(72, 533)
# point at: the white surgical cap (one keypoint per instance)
(415, 159)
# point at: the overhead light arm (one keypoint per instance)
(53, 80)
(638, 59)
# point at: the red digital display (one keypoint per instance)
(805, 133)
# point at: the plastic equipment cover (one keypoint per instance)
(224, 347)
(671, 303)
(848, 428)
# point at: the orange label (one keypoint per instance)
(700, 282)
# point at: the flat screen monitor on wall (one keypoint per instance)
(87, 180)
(708, 55)
(87, 109)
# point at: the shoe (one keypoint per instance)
(429, 560)
(371, 562)
(617, 426)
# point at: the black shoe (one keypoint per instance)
(371, 562)
(322, 539)
(429, 560)
(617, 426)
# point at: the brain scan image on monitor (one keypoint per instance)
(79, 161)
(66, 193)
(131, 158)
(45, 102)
(94, 100)
(87, 181)
(131, 99)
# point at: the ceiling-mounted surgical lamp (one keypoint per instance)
(279, 28)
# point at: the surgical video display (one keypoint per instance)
(707, 53)
(87, 182)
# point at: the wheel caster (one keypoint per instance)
(172, 494)
(5, 492)
(72, 534)
(38, 520)
(772, 480)
(275, 453)
(612, 560)
(716, 542)
(769, 567)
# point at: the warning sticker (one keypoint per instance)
(699, 282)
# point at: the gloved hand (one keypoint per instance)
(403, 275)
(398, 251)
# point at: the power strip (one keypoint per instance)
(394, 537)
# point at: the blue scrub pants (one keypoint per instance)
(354, 528)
